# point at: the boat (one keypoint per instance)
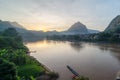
(75, 74)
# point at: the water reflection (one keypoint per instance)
(113, 48)
(76, 45)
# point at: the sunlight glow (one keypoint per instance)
(57, 15)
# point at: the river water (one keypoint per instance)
(98, 61)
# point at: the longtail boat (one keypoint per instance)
(73, 71)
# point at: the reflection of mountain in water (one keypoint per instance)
(76, 45)
(114, 48)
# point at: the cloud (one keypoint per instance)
(60, 13)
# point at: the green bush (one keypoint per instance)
(29, 70)
(7, 70)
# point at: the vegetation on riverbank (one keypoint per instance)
(15, 63)
(99, 37)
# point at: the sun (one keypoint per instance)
(45, 29)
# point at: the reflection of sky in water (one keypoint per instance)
(97, 61)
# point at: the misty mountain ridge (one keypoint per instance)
(7, 24)
(75, 29)
(16, 25)
(93, 31)
(26, 34)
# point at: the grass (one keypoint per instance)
(30, 70)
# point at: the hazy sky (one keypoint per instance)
(59, 14)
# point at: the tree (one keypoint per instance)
(117, 30)
(7, 70)
(104, 36)
(10, 32)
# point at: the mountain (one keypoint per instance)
(16, 25)
(7, 24)
(26, 34)
(114, 25)
(78, 28)
(30, 35)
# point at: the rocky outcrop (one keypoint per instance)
(114, 25)
(78, 28)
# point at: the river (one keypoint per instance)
(98, 61)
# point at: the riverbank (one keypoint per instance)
(37, 70)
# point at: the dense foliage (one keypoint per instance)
(110, 36)
(15, 64)
(7, 70)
